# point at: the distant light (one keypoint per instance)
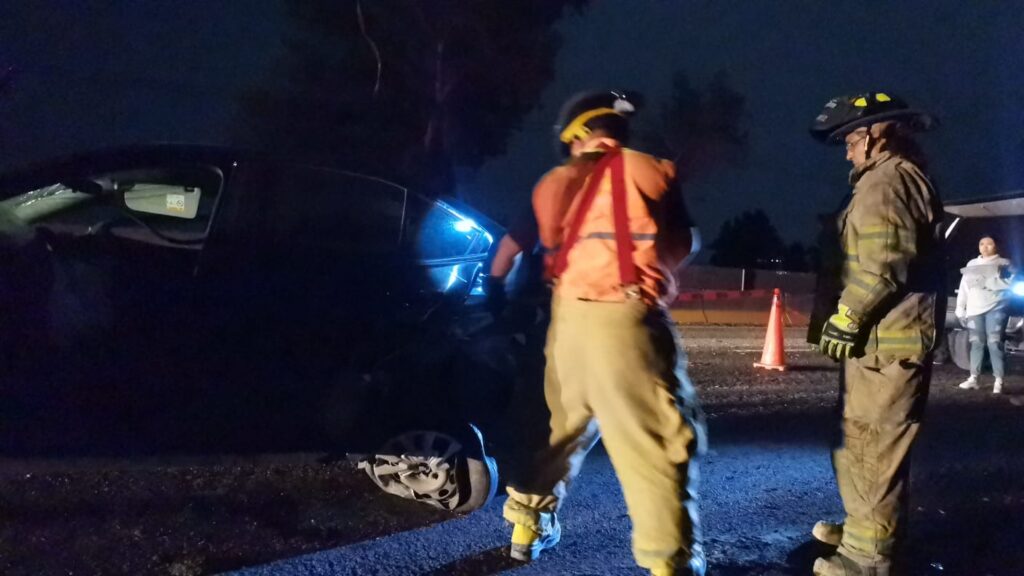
(465, 225)
(1018, 288)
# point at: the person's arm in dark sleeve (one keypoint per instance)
(502, 263)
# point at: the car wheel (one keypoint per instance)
(960, 348)
(435, 468)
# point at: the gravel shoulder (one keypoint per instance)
(765, 481)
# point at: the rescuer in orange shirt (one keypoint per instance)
(615, 228)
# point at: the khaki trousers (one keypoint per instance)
(883, 402)
(615, 370)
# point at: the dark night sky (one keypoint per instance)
(107, 72)
(789, 58)
(167, 71)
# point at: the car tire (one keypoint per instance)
(959, 344)
(479, 483)
(448, 471)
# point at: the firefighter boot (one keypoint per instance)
(839, 565)
(527, 544)
(697, 565)
(689, 570)
(830, 533)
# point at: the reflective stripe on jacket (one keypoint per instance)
(892, 274)
(658, 224)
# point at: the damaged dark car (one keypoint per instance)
(176, 299)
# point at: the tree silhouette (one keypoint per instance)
(796, 258)
(749, 241)
(406, 88)
(703, 129)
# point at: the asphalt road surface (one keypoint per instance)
(765, 481)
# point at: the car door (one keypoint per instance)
(309, 285)
(99, 307)
(311, 253)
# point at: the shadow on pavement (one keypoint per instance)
(809, 368)
(751, 570)
(486, 563)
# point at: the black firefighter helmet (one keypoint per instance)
(844, 114)
(589, 111)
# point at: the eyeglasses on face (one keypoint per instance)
(851, 143)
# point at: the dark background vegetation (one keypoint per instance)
(459, 97)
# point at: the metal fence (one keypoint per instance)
(697, 278)
(712, 295)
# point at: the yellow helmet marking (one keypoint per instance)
(860, 102)
(576, 128)
(882, 97)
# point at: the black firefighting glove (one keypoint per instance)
(495, 298)
(839, 337)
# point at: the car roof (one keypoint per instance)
(1007, 204)
(42, 172)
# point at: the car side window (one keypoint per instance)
(105, 255)
(338, 211)
(438, 231)
(166, 205)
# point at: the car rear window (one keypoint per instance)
(334, 210)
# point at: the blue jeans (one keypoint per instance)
(988, 328)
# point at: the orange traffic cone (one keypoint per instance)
(774, 355)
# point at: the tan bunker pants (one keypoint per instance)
(616, 370)
(883, 402)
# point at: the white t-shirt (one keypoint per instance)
(982, 288)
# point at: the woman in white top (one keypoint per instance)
(981, 306)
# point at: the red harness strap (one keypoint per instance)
(623, 239)
(620, 213)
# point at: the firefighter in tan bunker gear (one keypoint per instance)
(616, 228)
(882, 326)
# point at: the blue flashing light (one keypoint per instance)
(465, 225)
(1017, 288)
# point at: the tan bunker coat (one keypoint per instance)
(891, 276)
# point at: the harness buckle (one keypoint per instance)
(632, 292)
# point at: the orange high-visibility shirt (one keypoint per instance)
(658, 223)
